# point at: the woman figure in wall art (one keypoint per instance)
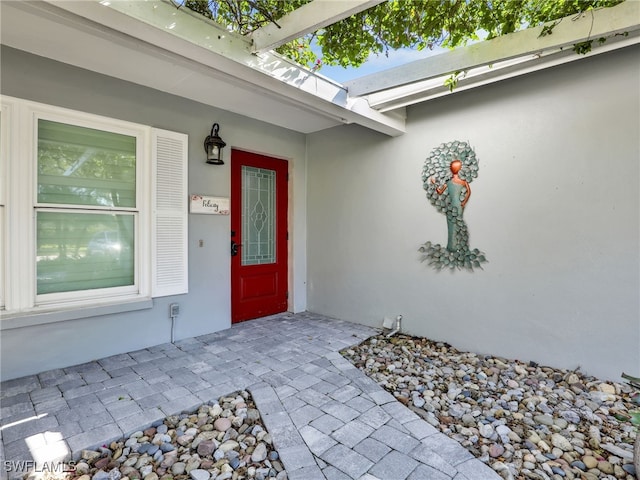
(446, 176)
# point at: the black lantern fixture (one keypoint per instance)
(213, 145)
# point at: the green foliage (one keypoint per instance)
(396, 24)
(242, 16)
(583, 47)
(452, 81)
(548, 29)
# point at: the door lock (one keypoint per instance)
(234, 248)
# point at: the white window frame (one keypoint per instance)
(5, 121)
(19, 167)
(140, 211)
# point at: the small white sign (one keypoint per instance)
(209, 205)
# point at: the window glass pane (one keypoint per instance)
(84, 251)
(258, 216)
(83, 166)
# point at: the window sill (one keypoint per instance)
(10, 321)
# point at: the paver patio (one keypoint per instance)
(328, 420)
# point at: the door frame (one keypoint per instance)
(283, 245)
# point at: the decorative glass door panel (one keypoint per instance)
(258, 216)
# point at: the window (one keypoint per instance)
(80, 213)
(4, 117)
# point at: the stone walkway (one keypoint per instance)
(327, 419)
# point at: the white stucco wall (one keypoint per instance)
(206, 308)
(555, 208)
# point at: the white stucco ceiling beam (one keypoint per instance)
(594, 24)
(308, 18)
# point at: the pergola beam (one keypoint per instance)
(593, 24)
(306, 19)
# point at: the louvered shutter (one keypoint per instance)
(170, 214)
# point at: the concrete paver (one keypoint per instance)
(327, 419)
(394, 465)
(372, 449)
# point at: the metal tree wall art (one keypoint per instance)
(447, 173)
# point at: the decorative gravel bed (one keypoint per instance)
(225, 440)
(524, 420)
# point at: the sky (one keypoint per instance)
(377, 63)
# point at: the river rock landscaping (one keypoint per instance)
(524, 420)
(221, 441)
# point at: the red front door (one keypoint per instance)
(258, 236)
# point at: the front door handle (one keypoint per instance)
(234, 248)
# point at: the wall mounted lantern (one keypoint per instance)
(213, 145)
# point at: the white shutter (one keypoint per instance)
(170, 214)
